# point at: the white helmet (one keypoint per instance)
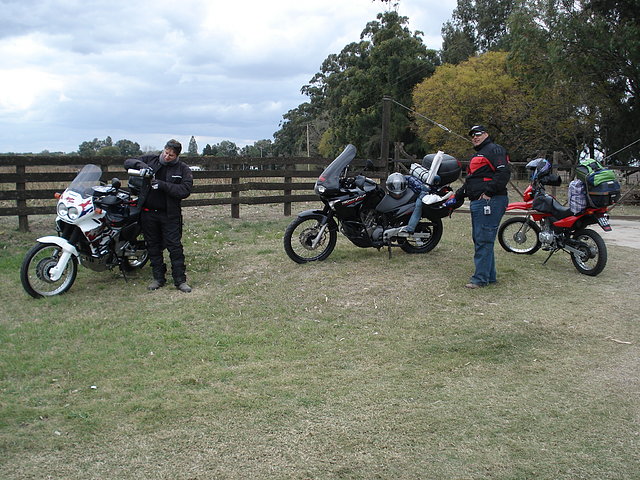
(396, 185)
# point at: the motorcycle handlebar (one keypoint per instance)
(139, 173)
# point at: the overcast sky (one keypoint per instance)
(150, 70)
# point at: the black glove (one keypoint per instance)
(146, 172)
(460, 194)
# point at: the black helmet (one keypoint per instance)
(396, 185)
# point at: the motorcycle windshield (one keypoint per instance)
(86, 179)
(330, 177)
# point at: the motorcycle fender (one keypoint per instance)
(309, 213)
(61, 242)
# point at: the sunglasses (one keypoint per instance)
(477, 134)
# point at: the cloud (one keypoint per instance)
(74, 70)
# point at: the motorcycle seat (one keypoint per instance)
(547, 204)
(561, 211)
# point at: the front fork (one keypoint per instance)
(56, 272)
(327, 222)
(320, 234)
(68, 250)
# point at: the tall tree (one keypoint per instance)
(260, 148)
(192, 150)
(226, 148)
(482, 90)
(346, 95)
(110, 151)
(590, 51)
(476, 26)
(207, 151)
(291, 138)
(128, 148)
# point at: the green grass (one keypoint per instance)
(358, 367)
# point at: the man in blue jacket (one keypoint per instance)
(486, 187)
(161, 216)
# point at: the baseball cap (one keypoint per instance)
(476, 129)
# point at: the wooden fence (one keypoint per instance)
(28, 182)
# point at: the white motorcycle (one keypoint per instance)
(98, 226)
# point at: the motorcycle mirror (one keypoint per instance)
(115, 183)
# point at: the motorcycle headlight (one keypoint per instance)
(72, 213)
(62, 210)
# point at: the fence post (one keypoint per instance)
(21, 186)
(557, 159)
(287, 205)
(235, 193)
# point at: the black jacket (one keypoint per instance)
(489, 172)
(175, 182)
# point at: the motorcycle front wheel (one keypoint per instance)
(420, 245)
(36, 267)
(593, 252)
(519, 235)
(305, 241)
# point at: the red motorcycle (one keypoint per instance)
(550, 226)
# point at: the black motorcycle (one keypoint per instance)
(368, 215)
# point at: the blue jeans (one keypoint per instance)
(417, 213)
(484, 230)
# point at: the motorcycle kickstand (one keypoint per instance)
(549, 256)
(124, 274)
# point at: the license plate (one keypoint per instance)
(604, 223)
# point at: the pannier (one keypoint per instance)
(603, 195)
(601, 184)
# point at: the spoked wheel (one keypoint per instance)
(35, 273)
(593, 252)
(306, 241)
(421, 244)
(519, 235)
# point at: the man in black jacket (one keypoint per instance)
(486, 186)
(161, 216)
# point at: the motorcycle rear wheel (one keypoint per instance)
(594, 252)
(519, 235)
(36, 268)
(140, 260)
(411, 245)
(300, 235)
